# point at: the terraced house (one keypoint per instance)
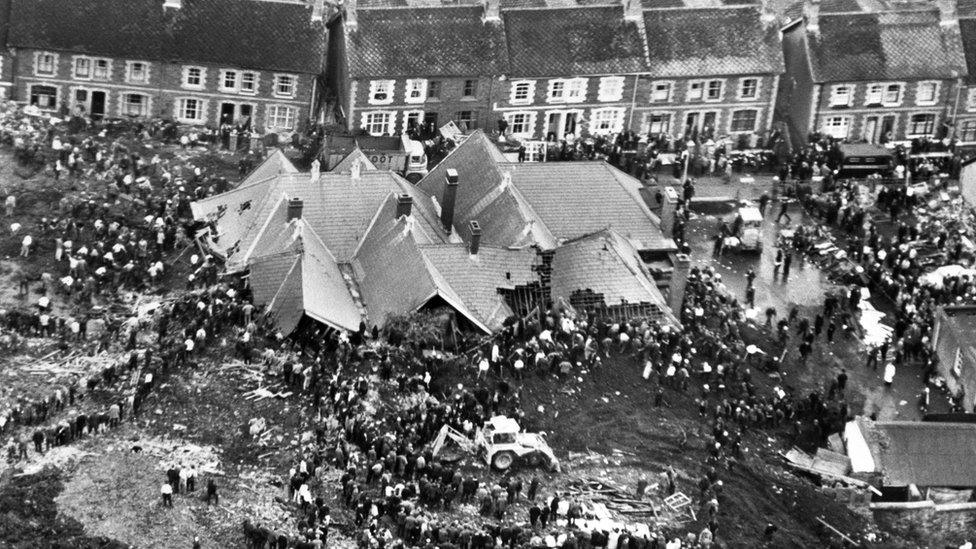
(965, 102)
(200, 62)
(556, 69)
(873, 70)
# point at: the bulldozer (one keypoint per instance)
(502, 444)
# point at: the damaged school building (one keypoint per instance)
(480, 236)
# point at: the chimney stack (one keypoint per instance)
(316, 170)
(475, 237)
(448, 199)
(175, 4)
(633, 10)
(318, 10)
(352, 18)
(948, 14)
(811, 12)
(356, 169)
(493, 12)
(404, 205)
(295, 206)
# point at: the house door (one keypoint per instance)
(887, 129)
(227, 113)
(244, 116)
(691, 124)
(81, 102)
(97, 108)
(871, 129)
(708, 125)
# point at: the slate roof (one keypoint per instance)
(441, 41)
(572, 41)
(967, 30)
(894, 45)
(545, 202)
(607, 263)
(923, 453)
(345, 165)
(233, 33)
(711, 42)
(275, 164)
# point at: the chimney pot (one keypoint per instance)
(352, 18)
(475, 244)
(295, 206)
(175, 4)
(811, 12)
(448, 200)
(492, 11)
(404, 205)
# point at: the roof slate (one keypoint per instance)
(573, 41)
(712, 42)
(233, 33)
(967, 30)
(924, 453)
(276, 283)
(441, 41)
(888, 45)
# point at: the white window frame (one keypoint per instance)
(130, 65)
(418, 86)
(654, 89)
(255, 77)
(82, 59)
(971, 99)
(649, 122)
(390, 128)
(611, 89)
(270, 115)
(54, 64)
(692, 85)
(838, 99)
(741, 96)
(407, 114)
(57, 95)
(278, 79)
(617, 120)
(178, 110)
(185, 77)
(880, 97)
(963, 130)
(528, 131)
(908, 125)
(222, 81)
(122, 103)
(377, 86)
(847, 125)
(108, 69)
(721, 90)
(755, 121)
(936, 88)
(529, 92)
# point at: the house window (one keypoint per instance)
(748, 88)
(381, 92)
(661, 92)
(837, 126)
(83, 68)
(281, 117)
(103, 69)
(249, 83)
(659, 123)
(840, 96)
(228, 81)
(521, 123)
(971, 100)
(714, 90)
(135, 104)
(611, 88)
(378, 123)
(522, 91)
(190, 110)
(967, 131)
(434, 89)
(696, 91)
(921, 124)
(883, 94)
(892, 94)
(137, 72)
(470, 88)
(44, 97)
(416, 91)
(927, 93)
(284, 85)
(194, 77)
(744, 121)
(466, 120)
(604, 121)
(557, 91)
(45, 64)
(412, 119)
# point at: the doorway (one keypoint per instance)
(228, 112)
(97, 107)
(561, 123)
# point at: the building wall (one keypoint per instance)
(163, 90)
(447, 106)
(949, 342)
(965, 129)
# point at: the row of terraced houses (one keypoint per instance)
(864, 70)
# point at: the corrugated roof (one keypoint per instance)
(234, 33)
(607, 263)
(924, 453)
(712, 42)
(573, 41)
(886, 45)
(423, 42)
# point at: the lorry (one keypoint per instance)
(501, 443)
(402, 155)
